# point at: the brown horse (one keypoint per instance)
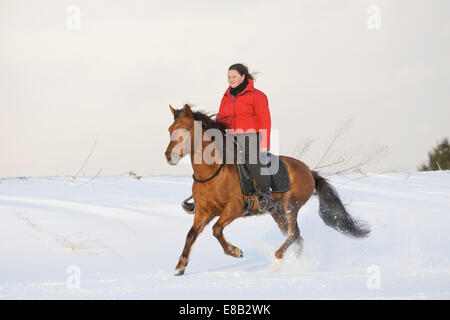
(217, 192)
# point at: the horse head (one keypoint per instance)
(180, 134)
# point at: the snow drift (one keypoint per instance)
(120, 238)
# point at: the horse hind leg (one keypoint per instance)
(298, 241)
(291, 209)
(281, 220)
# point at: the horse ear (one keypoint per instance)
(172, 110)
(188, 111)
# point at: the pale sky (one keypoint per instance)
(317, 61)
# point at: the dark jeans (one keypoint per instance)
(249, 154)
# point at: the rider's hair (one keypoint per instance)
(242, 70)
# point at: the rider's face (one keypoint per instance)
(234, 78)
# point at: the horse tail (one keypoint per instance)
(333, 212)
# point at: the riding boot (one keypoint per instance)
(249, 154)
(263, 181)
(270, 205)
(188, 207)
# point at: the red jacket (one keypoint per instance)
(248, 112)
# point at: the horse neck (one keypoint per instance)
(203, 170)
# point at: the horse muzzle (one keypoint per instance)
(172, 158)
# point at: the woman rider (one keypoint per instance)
(245, 111)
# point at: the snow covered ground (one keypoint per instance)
(120, 238)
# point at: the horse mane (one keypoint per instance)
(209, 121)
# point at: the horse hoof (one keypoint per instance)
(276, 264)
(279, 254)
(238, 253)
(276, 261)
(179, 272)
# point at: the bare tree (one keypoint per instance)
(339, 133)
(302, 148)
(84, 164)
(350, 160)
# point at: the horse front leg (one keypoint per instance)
(225, 219)
(200, 221)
